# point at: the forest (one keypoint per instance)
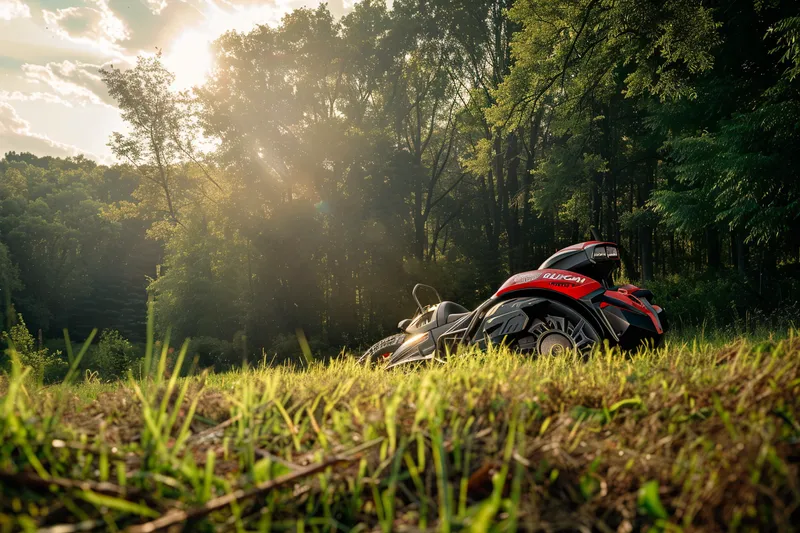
(327, 165)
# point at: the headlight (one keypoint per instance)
(414, 340)
(613, 252)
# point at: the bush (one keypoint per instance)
(211, 352)
(114, 356)
(45, 366)
(724, 300)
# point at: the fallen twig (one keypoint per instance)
(86, 525)
(33, 481)
(178, 516)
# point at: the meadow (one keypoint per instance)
(697, 435)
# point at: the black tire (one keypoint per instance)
(555, 330)
(377, 352)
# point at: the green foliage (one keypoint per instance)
(710, 301)
(215, 353)
(747, 173)
(160, 145)
(114, 357)
(44, 365)
(722, 301)
(9, 282)
(735, 164)
(63, 263)
(788, 34)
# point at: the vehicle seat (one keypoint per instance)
(449, 312)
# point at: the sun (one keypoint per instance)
(189, 57)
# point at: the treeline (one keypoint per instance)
(327, 165)
(63, 262)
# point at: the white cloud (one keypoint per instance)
(96, 25)
(18, 96)
(77, 82)
(14, 9)
(156, 6)
(16, 136)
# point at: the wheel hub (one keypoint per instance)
(554, 343)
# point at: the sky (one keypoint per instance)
(52, 101)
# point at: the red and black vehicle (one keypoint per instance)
(569, 304)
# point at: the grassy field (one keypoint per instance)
(697, 435)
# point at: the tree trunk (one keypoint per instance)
(419, 219)
(712, 244)
(527, 215)
(512, 210)
(646, 251)
(741, 253)
(597, 200)
(490, 213)
(645, 231)
(673, 265)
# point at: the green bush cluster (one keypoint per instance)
(726, 300)
(45, 366)
(213, 352)
(114, 356)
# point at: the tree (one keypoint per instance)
(9, 282)
(732, 149)
(162, 140)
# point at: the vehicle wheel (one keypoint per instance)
(557, 330)
(381, 350)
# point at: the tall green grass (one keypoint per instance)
(698, 434)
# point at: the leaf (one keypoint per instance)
(581, 413)
(623, 403)
(101, 500)
(589, 486)
(650, 502)
(267, 469)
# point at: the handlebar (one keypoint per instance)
(416, 299)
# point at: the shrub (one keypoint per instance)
(45, 366)
(114, 356)
(287, 349)
(211, 352)
(724, 300)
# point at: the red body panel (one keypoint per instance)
(583, 245)
(562, 281)
(623, 294)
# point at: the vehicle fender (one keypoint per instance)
(507, 317)
(583, 306)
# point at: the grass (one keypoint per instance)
(697, 435)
